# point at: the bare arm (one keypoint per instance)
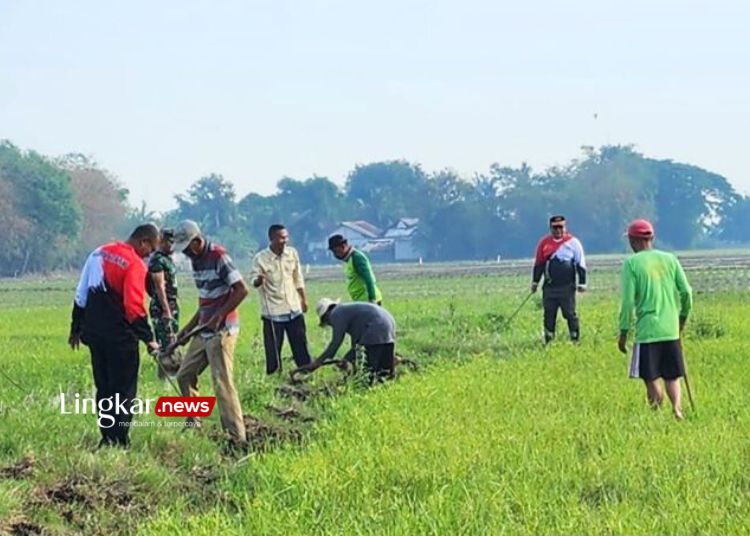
(239, 293)
(299, 283)
(161, 293)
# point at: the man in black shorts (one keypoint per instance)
(655, 286)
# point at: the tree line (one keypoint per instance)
(55, 210)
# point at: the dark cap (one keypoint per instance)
(557, 219)
(167, 235)
(336, 241)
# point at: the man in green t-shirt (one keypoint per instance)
(655, 287)
(361, 282)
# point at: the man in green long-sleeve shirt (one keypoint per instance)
(655, 286)
(360, 278)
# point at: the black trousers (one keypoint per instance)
(565, 300)
(115, 366)
(380, 361)
(273, 339)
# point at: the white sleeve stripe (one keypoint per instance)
(92, 276)
(233, 277)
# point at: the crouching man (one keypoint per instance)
(368, 325)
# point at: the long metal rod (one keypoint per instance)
(518, 309)
(687, 381)
(12, 381)
(276, 349)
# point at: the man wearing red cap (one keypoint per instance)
(652, 280)
(560, 258)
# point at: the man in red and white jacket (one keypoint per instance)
(109, 316)
(560, 259)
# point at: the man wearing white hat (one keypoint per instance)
(367, 325)
(221, 289)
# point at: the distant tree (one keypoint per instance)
(102, 200)
(43, 198)
(210, 202)
(605, 191)
(309, 208)
(526, 199)
(142, 214)
(383, 192)
(689, 201)
(444, 232)
(734, 224)
(17, 230)
(255, 213)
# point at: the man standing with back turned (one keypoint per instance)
(560, 258)
(109, 317)
(652, 280)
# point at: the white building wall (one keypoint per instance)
(405, 250)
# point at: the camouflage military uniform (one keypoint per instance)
(164, 329)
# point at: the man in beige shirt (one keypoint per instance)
(277, 275)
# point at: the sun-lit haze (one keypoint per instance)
(162, 93)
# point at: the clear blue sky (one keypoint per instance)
(163, 92)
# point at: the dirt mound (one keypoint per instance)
(74, 493)
(261, 435)
(290, 414)
(67, 492)
(22, 469)
(304, 392)
(23, 528)
(205, 476)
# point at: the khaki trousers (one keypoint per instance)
(217, 353)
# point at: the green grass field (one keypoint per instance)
(494, 434)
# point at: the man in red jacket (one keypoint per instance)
(560, 259)
(110, 318)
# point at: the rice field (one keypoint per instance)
(494, 434)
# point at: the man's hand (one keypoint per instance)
(259, 280)
(622, 343)
(683, 321)
(153, 347)
(303, 302)
(534, 286)
(581, 288)
(214, 322)
(74, 340)
(180, 340)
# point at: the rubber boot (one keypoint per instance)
(548, 336)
